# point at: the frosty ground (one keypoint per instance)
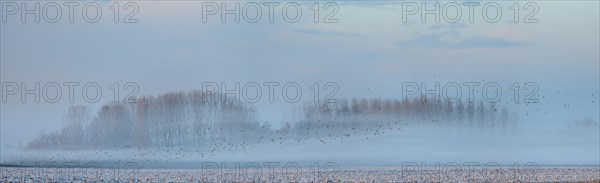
(372, 174)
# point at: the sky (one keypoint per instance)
(368, 53)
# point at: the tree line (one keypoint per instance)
(216, 121)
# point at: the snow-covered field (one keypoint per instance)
(502, 174)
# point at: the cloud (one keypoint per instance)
(329, 33)
(452, 42)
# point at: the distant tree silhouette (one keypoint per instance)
(214, 121)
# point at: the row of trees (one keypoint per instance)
(374, 116)
(168, 120)
(213, 121)
(375, 109)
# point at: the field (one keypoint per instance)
(498, 174)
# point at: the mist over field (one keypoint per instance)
(187, 129)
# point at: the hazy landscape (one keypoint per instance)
(299, 91)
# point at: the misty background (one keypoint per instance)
(368, 54)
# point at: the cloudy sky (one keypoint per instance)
(369, 52)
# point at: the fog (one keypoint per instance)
(187, 129)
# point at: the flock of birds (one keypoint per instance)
(327, 133)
